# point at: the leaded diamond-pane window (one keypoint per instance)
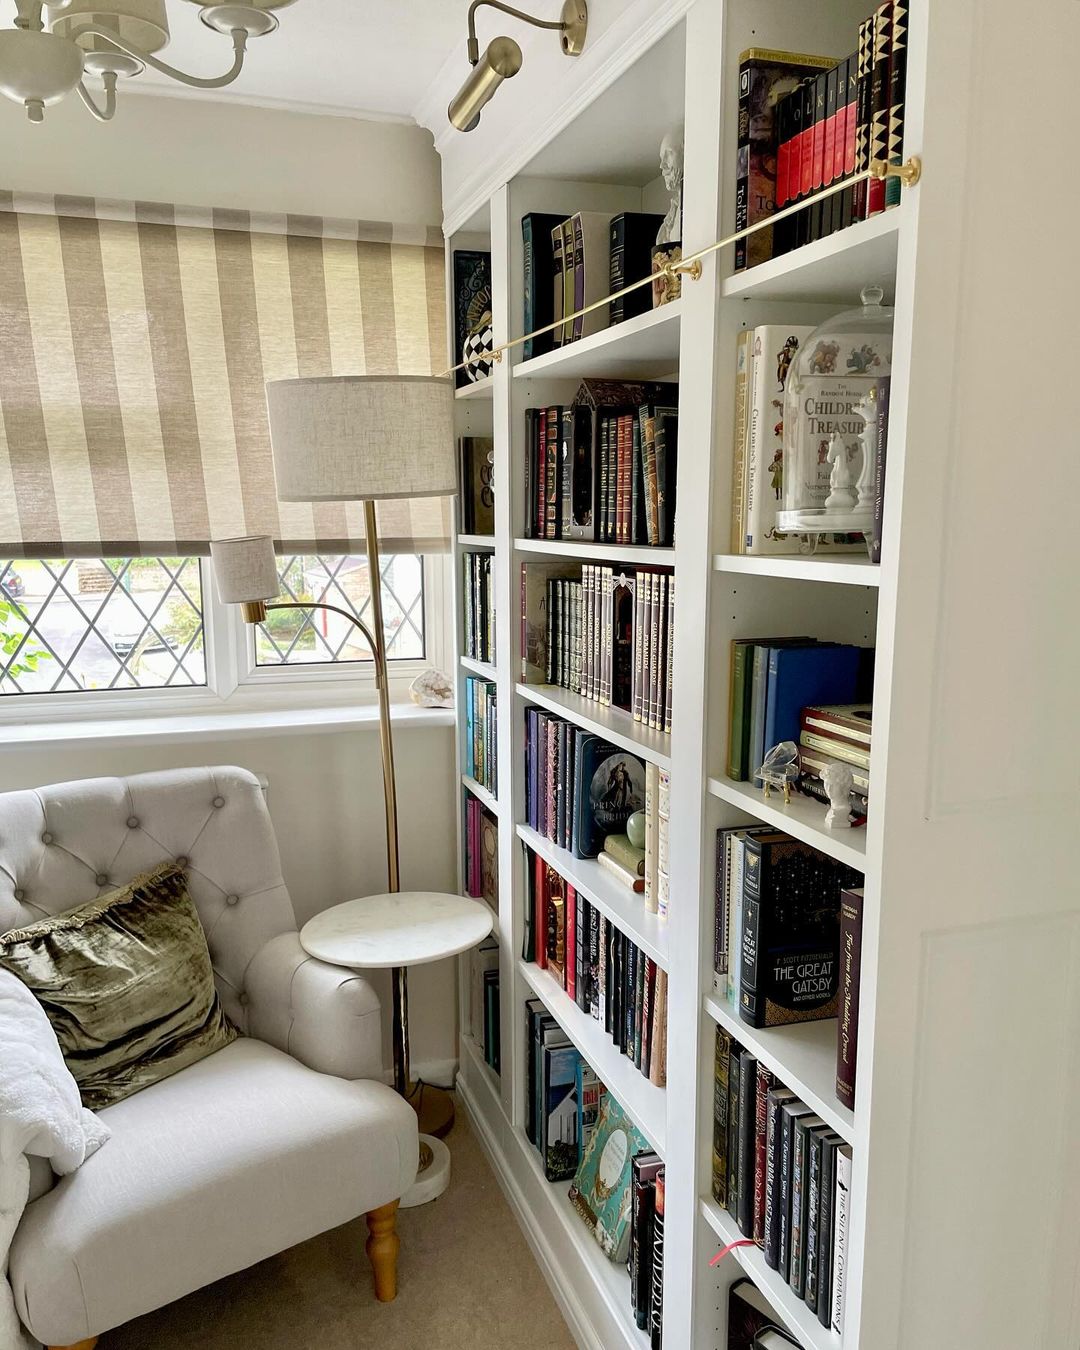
(292, 637)
(72, 625)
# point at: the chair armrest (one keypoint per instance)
(325, 1016)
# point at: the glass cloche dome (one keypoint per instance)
(833, 391)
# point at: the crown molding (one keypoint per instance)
(292, 105)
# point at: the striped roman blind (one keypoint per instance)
(135, 343)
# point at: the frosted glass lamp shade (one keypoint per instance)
(362, 437)
(245, 569)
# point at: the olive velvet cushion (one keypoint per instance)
(127, 984)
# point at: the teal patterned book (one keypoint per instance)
(601, 1191)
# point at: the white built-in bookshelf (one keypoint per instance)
(960, 915)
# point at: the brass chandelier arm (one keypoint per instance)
(473, 45)
(239, 40)
(908, 173)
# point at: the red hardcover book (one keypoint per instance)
(847, 1024)
(832, 93)
(818, 151)
(880, 104)
(783, 166)
(806, 159)
(540, 487)
(570, 969)
(552, 477)
(540, 910)
(788, 229)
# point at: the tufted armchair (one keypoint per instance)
(283, 1134)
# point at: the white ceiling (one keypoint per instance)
(355, 57)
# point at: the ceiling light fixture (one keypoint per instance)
(109, 38)
(502, 57)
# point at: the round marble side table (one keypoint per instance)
(407, 928)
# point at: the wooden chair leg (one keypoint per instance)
(382, 1249)
(79, 1345)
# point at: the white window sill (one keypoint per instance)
(160, 729)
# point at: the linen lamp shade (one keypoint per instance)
(362, 437)
(245, 569)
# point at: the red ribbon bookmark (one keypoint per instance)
(741, 1242)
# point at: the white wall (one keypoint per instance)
(325, 790)
(325, 798)
(196, 153)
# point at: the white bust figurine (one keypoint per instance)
(838, 780)
(671, 169)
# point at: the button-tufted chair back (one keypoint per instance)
(63, 845)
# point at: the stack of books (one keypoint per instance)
(570, 262)
(479, 595)
(773, 679)
(481, 731)
(601, 632)
(562, 1094)
(484, 999)
(807, 122)
(831, 734)
(599, 967)
(776, 940)
(603, 468)
(481, 852)
(784, 1176)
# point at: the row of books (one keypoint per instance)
(764, 357)
(570, 1118)
(604, 467)
(481, 731)
(479, 596)
(601, 632)
(484, 1009)
(776, 939)
(476, 476)
(481, 852)
(772, 680)
(570, 262)
(807, 122)
(784, 1175)
(599, 967)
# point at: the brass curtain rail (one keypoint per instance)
(909, 174)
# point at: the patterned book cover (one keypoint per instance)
(879, 103)
(601, 1189)
(897, 83)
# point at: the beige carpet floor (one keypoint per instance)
(466, 1279)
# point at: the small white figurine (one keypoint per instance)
(432, 689)
(838, 780)
(841, 495)
(671, 169)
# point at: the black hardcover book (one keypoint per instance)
(800, 1197)
(627, 1046)
(778, 1098)
(806, 163)
(632, 236)
(643, 1170)
(783, 171)
(863, 92)
(581, 942)
(472, 300)
(897, 82)
(734, 1057)
(851, 101)
(821, 83)
(880, 105)
(818, 1138)
(656, 1303)
(539, 283)
(789, 1113)
(667, 450)
(832, 104)
(825, 1228)
(747, 1104)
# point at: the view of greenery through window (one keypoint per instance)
(71, 625)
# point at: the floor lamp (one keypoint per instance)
(362, 438)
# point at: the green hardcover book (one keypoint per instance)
(601, 1189)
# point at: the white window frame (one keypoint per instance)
(236, 684)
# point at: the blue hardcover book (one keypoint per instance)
(559, 1124)
(758, 687)
(610, 788)
(799, 677)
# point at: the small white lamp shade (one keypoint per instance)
(245, 569)
(362, 437)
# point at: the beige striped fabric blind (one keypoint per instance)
(135, 343)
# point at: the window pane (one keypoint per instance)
(76, 625)
(292, 637)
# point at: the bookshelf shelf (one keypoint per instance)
(476, 541)
(645, 347)
(631, 555)
(800, 1321)
(832, 270)
(480, 793)
(803, 1057)
(803, 818)
(643, 1102)
(625, 908)
(618, 726)
(475, 1052)
(839, 571)
(481, 668)
(478, 389)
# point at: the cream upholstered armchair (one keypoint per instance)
(283, 1134)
